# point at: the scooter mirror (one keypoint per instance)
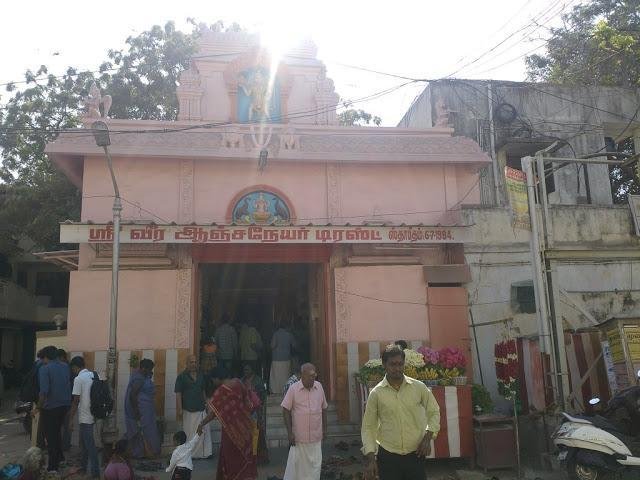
(638, 374)
(594, 401)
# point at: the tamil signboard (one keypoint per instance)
(516, 185)
(216, 234)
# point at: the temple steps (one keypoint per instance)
(276, 430)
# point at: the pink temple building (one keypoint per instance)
(258, 203)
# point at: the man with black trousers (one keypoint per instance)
(54, 402)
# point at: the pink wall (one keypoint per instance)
(402, 190)
(146, 309)
(151, 183)
(399, 193)
(449, 319)
(216, 183)
(362, 317)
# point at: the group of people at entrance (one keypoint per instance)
(232, 347)
(239, 405)
(400, 422)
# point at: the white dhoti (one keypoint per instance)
(304, 462)
(280, 373)
(190, 422)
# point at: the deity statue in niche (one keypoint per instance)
(261, 205)
(258, 99)
(261, 208)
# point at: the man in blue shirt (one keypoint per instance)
(54, 402)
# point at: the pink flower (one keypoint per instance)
(451, 357)
(431, 356)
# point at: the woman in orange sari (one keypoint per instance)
(232, 406)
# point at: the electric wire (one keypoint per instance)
(532, 23)
(425, 303)
(83, 132)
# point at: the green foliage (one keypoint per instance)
(144, 84)
(481, 399)
(134, 361)
(356, 117)
(624, 179)
(598, 44)
(141, 79)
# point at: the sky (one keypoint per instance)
(417, 39)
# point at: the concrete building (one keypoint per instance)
(33, 297)
(594, 255)
(513, 119)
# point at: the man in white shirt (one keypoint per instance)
(82, 404)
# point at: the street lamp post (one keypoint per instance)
(101, 135)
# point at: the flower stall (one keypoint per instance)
(443, 371)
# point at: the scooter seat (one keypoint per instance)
(577, 418)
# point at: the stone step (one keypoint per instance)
(275, 442)
(278, 430)
(338, 431)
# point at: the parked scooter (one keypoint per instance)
(24, 409)
(598, 446)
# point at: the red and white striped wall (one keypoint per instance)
(456, 421)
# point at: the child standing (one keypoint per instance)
(181, 464)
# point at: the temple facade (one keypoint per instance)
(256, 202)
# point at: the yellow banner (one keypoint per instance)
(632, 334)
(615, 344)
(516, 185)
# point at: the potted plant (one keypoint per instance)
(481, 399)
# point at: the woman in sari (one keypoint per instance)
(255, 384)
(232, 406)
(140, 413)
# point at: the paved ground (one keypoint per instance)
(14, 442)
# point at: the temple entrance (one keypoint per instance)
(265, 296)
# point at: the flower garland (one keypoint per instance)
(507, 367)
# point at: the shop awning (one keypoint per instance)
(66, 259)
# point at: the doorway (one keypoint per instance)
(267, 295)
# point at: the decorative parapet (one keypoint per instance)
(326, 100)
(283, 142)
(189, 94)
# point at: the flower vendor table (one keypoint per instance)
(456, 420)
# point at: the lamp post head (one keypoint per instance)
(101, 133)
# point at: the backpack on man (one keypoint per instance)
(101, 399)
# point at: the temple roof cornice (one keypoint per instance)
(288, 142)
